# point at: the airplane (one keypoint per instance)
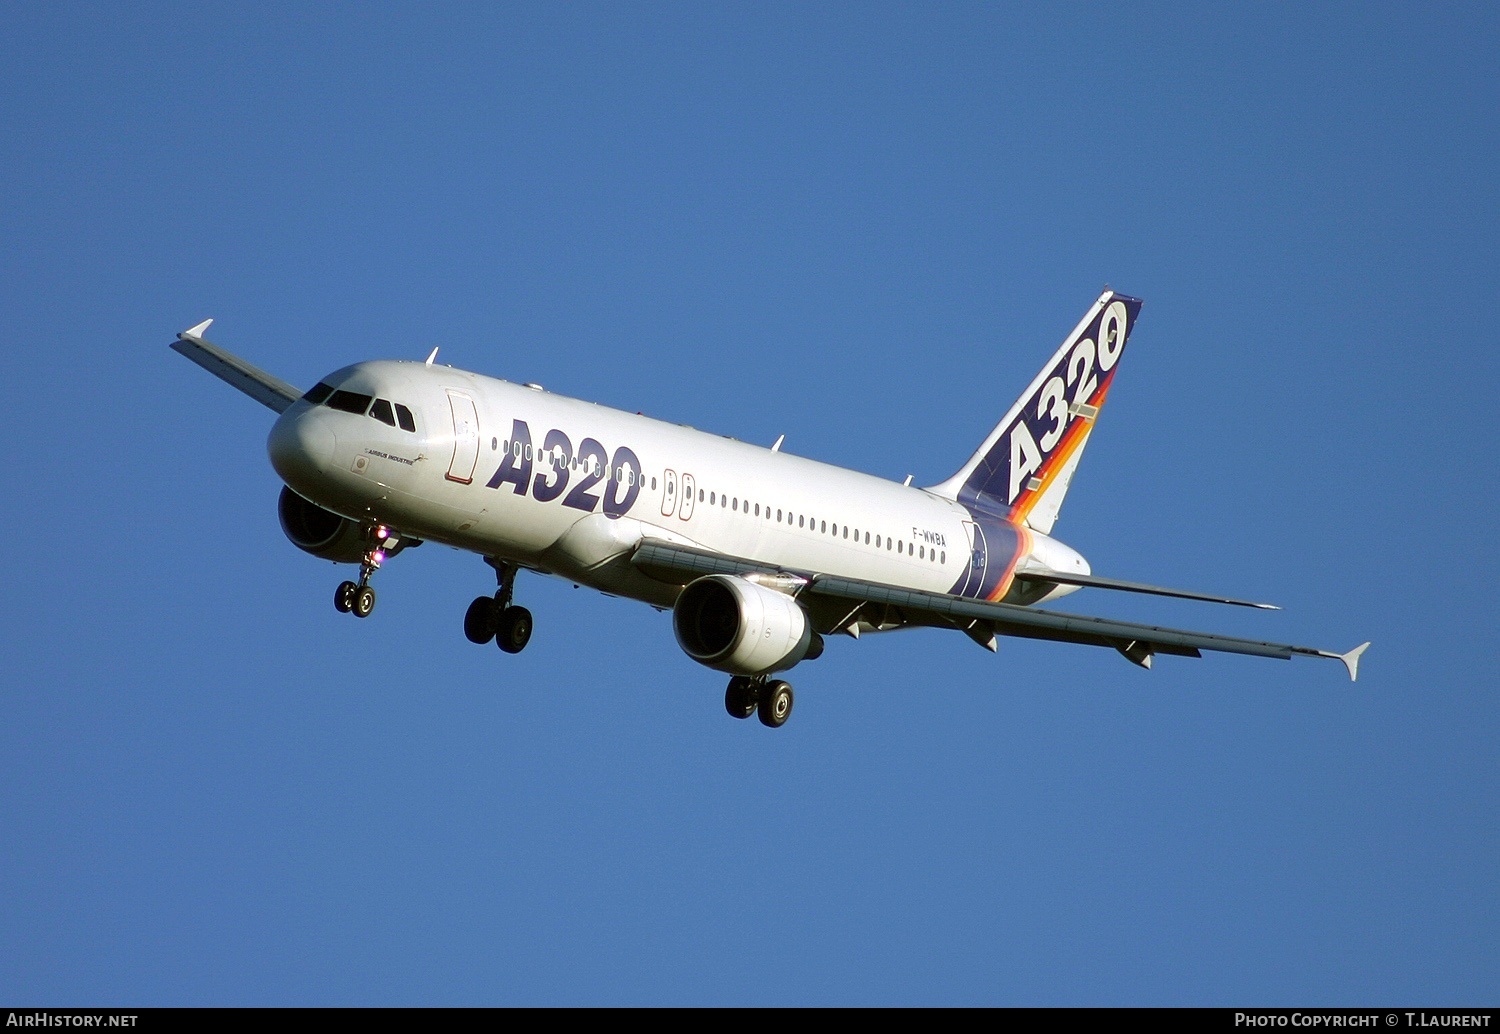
(758, 553)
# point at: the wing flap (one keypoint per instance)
(269, 391)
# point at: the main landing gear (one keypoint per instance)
(762, 695)
(357, 597)
(493, 617)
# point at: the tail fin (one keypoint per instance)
(1023, 469)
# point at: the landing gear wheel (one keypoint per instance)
(775, 704)
(364, 601)
(513, 630)
(480, 620)
(740, 697)
(343, 597)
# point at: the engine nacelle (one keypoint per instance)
(731, 624)
(318, 531)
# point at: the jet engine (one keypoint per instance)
(732, 624)
(318, 531)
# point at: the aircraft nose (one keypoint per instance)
(301, 446)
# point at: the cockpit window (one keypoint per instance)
(349, 402)
(404, 415)
(381, 411)
(318, 393)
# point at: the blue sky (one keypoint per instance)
(864, 226)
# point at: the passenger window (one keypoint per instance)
(318, 393)
(381, 411)
(711, 498)
(943, 559)
(653, 484)
(700, 495)
(799, 521)
(867, 539)
(823, 527)
(349, 402)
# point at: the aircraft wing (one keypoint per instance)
(981, 620)
(252, 380)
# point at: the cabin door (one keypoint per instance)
(465, 437)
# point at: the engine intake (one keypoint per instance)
(320, 532)
(733, 625)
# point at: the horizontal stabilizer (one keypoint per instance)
(252, 380)
(1095, 582)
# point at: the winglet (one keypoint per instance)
(1351, 660)
(196, 333)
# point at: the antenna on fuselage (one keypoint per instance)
(777, 446)
(432, 356)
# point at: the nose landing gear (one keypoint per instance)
(357, 597)
(493, 617)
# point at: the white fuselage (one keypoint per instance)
(584, 484)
